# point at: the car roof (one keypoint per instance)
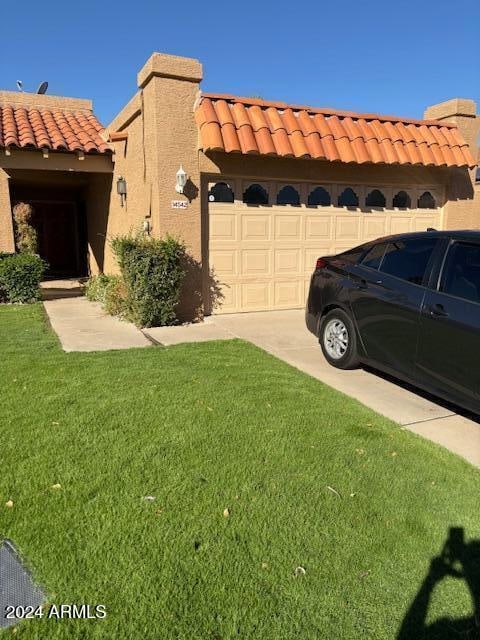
(471, 234)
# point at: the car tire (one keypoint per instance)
(338, 340)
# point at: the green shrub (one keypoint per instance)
(109, 290)
(153, 273)
(25, 234)
(20, 277)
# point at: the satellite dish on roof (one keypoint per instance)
(42, 88)
(19, 85)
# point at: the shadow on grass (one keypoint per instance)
(460, 560)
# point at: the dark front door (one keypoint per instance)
(57, 225)
(387, 300)
(449, 342)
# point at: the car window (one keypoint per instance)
(374, 257)
(461, 274)
(353, 255)
(407, 259)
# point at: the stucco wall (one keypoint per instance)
(7, 242)
(462, 210)
(131, 164)
(162, 135)
(318, 171)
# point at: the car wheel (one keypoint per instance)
(338, 340)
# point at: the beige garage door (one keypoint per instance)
(262, 256)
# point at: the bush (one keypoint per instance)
(25, 235)
(153, 273)
(20, 277)
(110, 291)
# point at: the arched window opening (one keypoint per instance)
(402, 200)
(221, 192)
(288, 195)
(348, 198)
(319, 197)
(426, 201)
(255, 194)
(375, 199)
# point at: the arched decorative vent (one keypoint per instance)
(402, 200)
(426, 201)
(319, 197)
(288, 195)
(221, 192)
(348, 198)
(255, 194)
(375, 199)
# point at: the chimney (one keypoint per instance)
(463, 113)
(462, 208)
(169, 89)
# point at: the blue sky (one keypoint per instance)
(385, 57)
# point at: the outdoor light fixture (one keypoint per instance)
(181, 180)
(122, 189)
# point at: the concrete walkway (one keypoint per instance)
(283, 334)
(83, 326)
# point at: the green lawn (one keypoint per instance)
(204, 428)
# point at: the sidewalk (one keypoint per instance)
(82, 326)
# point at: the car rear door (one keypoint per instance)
(386, 301)
(449, 339)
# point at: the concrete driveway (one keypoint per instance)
(283, 334)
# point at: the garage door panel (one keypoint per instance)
(288, 228)
(255, 262)
(319, 227)
(348, 228)
(288, 294)
(288, 261)
(424, 222)
(401, 224)
(256, 227)
(223, 227)
(229, 302)
(374, 226)
(225, 261)
(256, 296)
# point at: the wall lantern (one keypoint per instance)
(122, 189)
(181, 180)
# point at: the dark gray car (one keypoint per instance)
(408, 305)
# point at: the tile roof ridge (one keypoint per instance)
(43, 108)
(323, 111)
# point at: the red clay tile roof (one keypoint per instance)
(249, 126)
(56, 129)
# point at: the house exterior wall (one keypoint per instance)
(131, 162)
(462, 210)
(162, 135)
(7, 241)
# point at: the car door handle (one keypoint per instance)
(363, 284)
(437, 310)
